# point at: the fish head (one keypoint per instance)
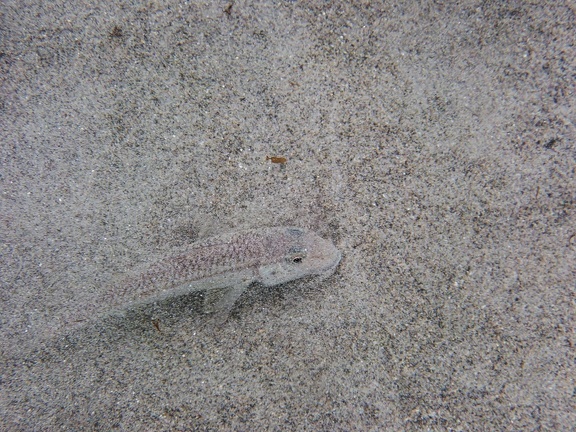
(300, 253)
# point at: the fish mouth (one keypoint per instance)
(331, 268)
(324, 256)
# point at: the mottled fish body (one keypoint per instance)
(229, 263)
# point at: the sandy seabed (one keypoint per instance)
(432, 142)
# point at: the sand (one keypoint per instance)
(434, 143)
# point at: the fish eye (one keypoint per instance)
(296, 256)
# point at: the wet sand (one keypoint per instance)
(434, 144)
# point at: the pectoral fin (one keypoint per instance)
(221, 301)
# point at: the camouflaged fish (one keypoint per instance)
(228, 264)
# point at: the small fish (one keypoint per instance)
(224, 266)
(276, 159)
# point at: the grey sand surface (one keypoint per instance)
(434, 143)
